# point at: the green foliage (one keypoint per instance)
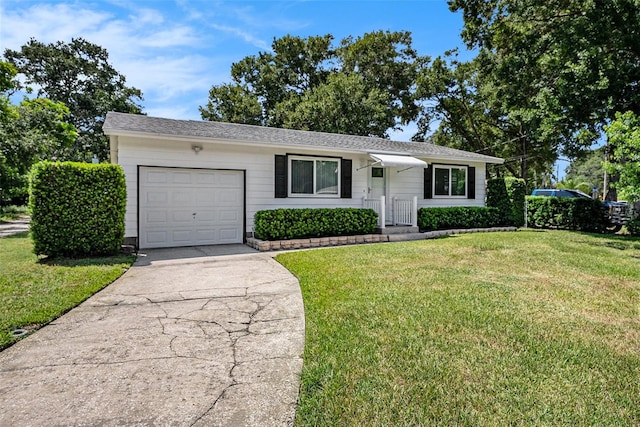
(77, 209)
(79, 75)
(585, 172)
(548, 74)
(281, 224)
(32, 131)
(489, 329)
(517, 191)
(633, 226)
(460, 217)
(364, 86)
(498, 197)
(566, 213)
(34, 292)
(624, 141)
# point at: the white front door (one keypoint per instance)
(378, 187)
(188, 207)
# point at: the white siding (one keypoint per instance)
(258, 162)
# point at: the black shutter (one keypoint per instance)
(345, 178)
(428, 188)
(281, 177)
(471, 182)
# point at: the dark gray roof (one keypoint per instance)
(139, 125)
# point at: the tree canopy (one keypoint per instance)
(34, 130)
(548, 75)
(624, 140)
(78, 75)
(364, 86)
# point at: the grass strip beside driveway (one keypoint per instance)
(526, 328)
(34, 291)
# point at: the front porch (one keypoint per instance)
(399, 217)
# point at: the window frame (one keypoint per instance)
(449, 168)
(315, 160)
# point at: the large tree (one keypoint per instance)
(364, 86)
(578, 58)
(550, 73)
(77, 74)
(31, 131)
(624, 139)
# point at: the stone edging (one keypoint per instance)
(320, 242)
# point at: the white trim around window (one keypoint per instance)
(449, 181)
(313, 176)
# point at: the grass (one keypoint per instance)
(526, 328)
(10, 213)
(34, 291)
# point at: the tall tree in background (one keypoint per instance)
(624, 139)
(78, 75)
(364, 86)
(32, 131)
(549, 74)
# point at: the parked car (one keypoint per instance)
(554, 192)
(617, 212)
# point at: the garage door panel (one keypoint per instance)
(170, 197)
(206, 179)
(229, 197)
(228, 235)
(157, 177)
(156, 237)
(157, 217)
(229, 179)
(182, 177)
(182, 217)
(156, 197)
(205, 216)
(183, 197)
(229, 216)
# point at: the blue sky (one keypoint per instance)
(175, 50)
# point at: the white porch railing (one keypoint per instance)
(403, 211)
(379, 207)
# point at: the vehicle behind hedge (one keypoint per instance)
(616, 214)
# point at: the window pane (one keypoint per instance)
(301, 176)
(441, 182)
(458, 182)
(326, 177)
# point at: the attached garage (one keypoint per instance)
(190, 207)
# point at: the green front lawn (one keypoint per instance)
(33, 292)
(525, 328)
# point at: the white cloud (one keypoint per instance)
(173, 52)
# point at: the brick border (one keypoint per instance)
(322, 242)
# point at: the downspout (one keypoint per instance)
(113, 148)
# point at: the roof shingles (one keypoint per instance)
(135, 124)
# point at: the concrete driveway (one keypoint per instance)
(208, 336)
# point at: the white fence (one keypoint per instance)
(403, 211)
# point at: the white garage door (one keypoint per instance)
(189, 207)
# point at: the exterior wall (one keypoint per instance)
(258, 162)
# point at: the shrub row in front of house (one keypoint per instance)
(279, 224)
(460, 217)
(77, 209)
(566, 213)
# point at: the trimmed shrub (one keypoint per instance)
(517, 191)
(77, 209)
(633, 226)
(281, 224)
(566, 213)
(459, 217)
(498, 197)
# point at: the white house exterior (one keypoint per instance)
(200, 183)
